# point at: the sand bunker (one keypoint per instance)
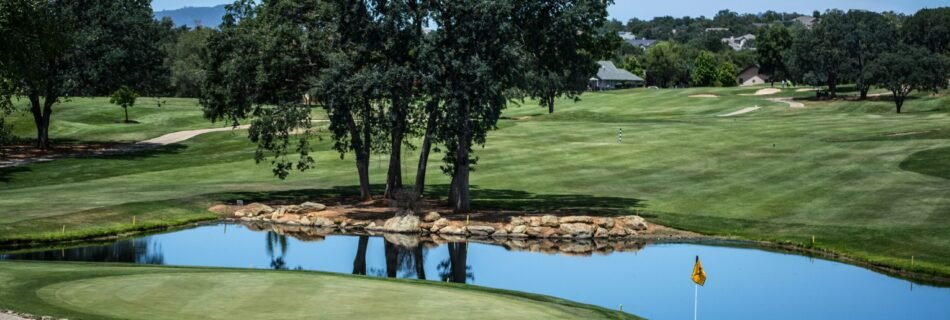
(806, 90)
(789, 102)
(743, 111)
(704, 96)
(765, 92)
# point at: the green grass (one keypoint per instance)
(860, 178)
(111, 291)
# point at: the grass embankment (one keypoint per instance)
(860, 178)
(111, 291)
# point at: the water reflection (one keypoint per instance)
(649, 280)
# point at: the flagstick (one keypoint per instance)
(696, 302)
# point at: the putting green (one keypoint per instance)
(117, 292)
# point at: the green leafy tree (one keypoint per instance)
(567, 30)
(632, 64)
(907, 69)
(869, 35)
(67, 48)
(726, 75)
(183, 60)
(665, 64)
(774, 42)
(929, 28)
(705, 70)
(819, 55)
(125, 98)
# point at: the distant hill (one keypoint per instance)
(191, 16)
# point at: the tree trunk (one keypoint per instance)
(863, 90)
(41, 114)
(424, 155)
(126, 114)
(833, 86)
(392, 261)
(461, 202)
(899, 101)
(394, 176)
(550, 103)
(458, 257)
(361, 145)
(419, 263)
(359, 262)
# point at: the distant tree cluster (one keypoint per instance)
(383, 76)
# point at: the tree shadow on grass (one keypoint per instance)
(483, 200)
(6, 173)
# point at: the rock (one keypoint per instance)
(432, 217)
(534, 221)
(305, 221)
(220, 209)
(617, 231)
(439, 224)
(402, 224)
(633, 222)
(601, 233)
(289, 219)
(519, 231)
(549, 221)
(576, 219)
(402, 240)
(549, 232)
(606, 223)
(253, 210)
(577, 230)
(519, 221)
(630, 231)
(291, 209)
(481, 230)
(534, 231)
(322, 222)
(373, 227)
(311, 207)
(453, 230)
(501, 233)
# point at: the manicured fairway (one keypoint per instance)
(861, 179)
(86, 291)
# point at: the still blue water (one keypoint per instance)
(653, 282)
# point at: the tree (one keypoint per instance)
(65, 48)
(664, 64)
(478, 58)
(125, 98)
(929, 28)
(726, 75)
(705, 71)
(563, 44)
(774, 42)
(907, 69)
(183, 60)
(632, 64)
(819, 54)
(869, 35)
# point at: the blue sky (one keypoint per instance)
(626, 9)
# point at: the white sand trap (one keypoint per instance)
(806, 90)
(704, 96)
(765, 92)
(789, 102)
(743, 111)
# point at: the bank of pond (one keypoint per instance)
(649, 279)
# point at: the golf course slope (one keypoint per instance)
(110, 291)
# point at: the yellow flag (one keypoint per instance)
(699, 275)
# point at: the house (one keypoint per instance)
(717, 29)
(611, 77)
(806, 21)
(751, 76)
(746, 42)
(642, 43)
(626, 35)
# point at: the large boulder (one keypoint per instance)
(549, 221)
(322, 222)
(308, 207)
(577, 230)
(519, 231)
(601, 233)
(432, 217)
(481, 230)
(606, 223)
(453, 230)
(633, 222)
(253, 210)
(520, 221)
(402, 224)
(439, 224)
(576, 219)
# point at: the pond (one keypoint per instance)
(649, 279)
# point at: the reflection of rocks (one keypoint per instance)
(310, 214)
(402, 240)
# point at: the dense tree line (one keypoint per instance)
(383, 76)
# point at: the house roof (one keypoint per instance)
(608, 71)
(641, 42)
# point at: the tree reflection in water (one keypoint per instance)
(404, 256)
(277, 261)
(456, 268)
(140, 250)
